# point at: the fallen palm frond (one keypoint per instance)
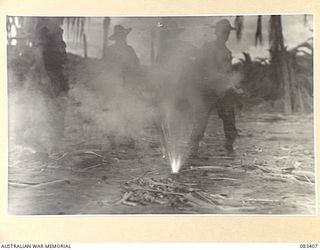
(216, 168)
(88, 168)
(41, 184)
(77, 152)
(144, 191)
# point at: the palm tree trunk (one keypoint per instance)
(85, 46)
(152, 52)
(287, 84)
(106, 24)
(282, 74)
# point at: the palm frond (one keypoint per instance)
(305, 19)
(106, 24)
(76, 25)
(258, 35)
(16, 22)
(302, 47)
(68, 26)
(152, 52)
(83, 22)
(238, 23)
(247, 57)
(8, 27)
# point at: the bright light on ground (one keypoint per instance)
(175, 164)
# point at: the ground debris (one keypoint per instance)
(145, 191)
(20, 184)
(250, 167)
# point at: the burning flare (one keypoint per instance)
(171, 141)
(175, 163)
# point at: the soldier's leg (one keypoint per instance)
(59, 100)
(158, 126)
(226, 112)
(201, 117)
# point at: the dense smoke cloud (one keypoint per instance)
(109, 105)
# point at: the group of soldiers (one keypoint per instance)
(205, 73)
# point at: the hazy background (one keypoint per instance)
(196, 32)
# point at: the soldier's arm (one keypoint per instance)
(134, 57)
(39, 47)
(211, 76)
(62, 46)
(205, 68)
(40, 44)
(200, 58)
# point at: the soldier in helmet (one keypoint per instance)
(217, 88)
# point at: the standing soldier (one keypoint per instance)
(217, 88)
(121, 56)
(51, 55)
(124, 64)
(51, 58)
(173, 51)
(173, 62)
(48, 87)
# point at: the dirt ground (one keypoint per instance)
(273, 172)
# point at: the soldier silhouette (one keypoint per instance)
(217, 86)
(121, 56)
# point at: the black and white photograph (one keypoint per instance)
(161, 115)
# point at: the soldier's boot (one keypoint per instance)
(131, 143)
(198, 134)
(193, 151)
(112, 141)
(230, 131)
(229, 146)
(189, 157)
